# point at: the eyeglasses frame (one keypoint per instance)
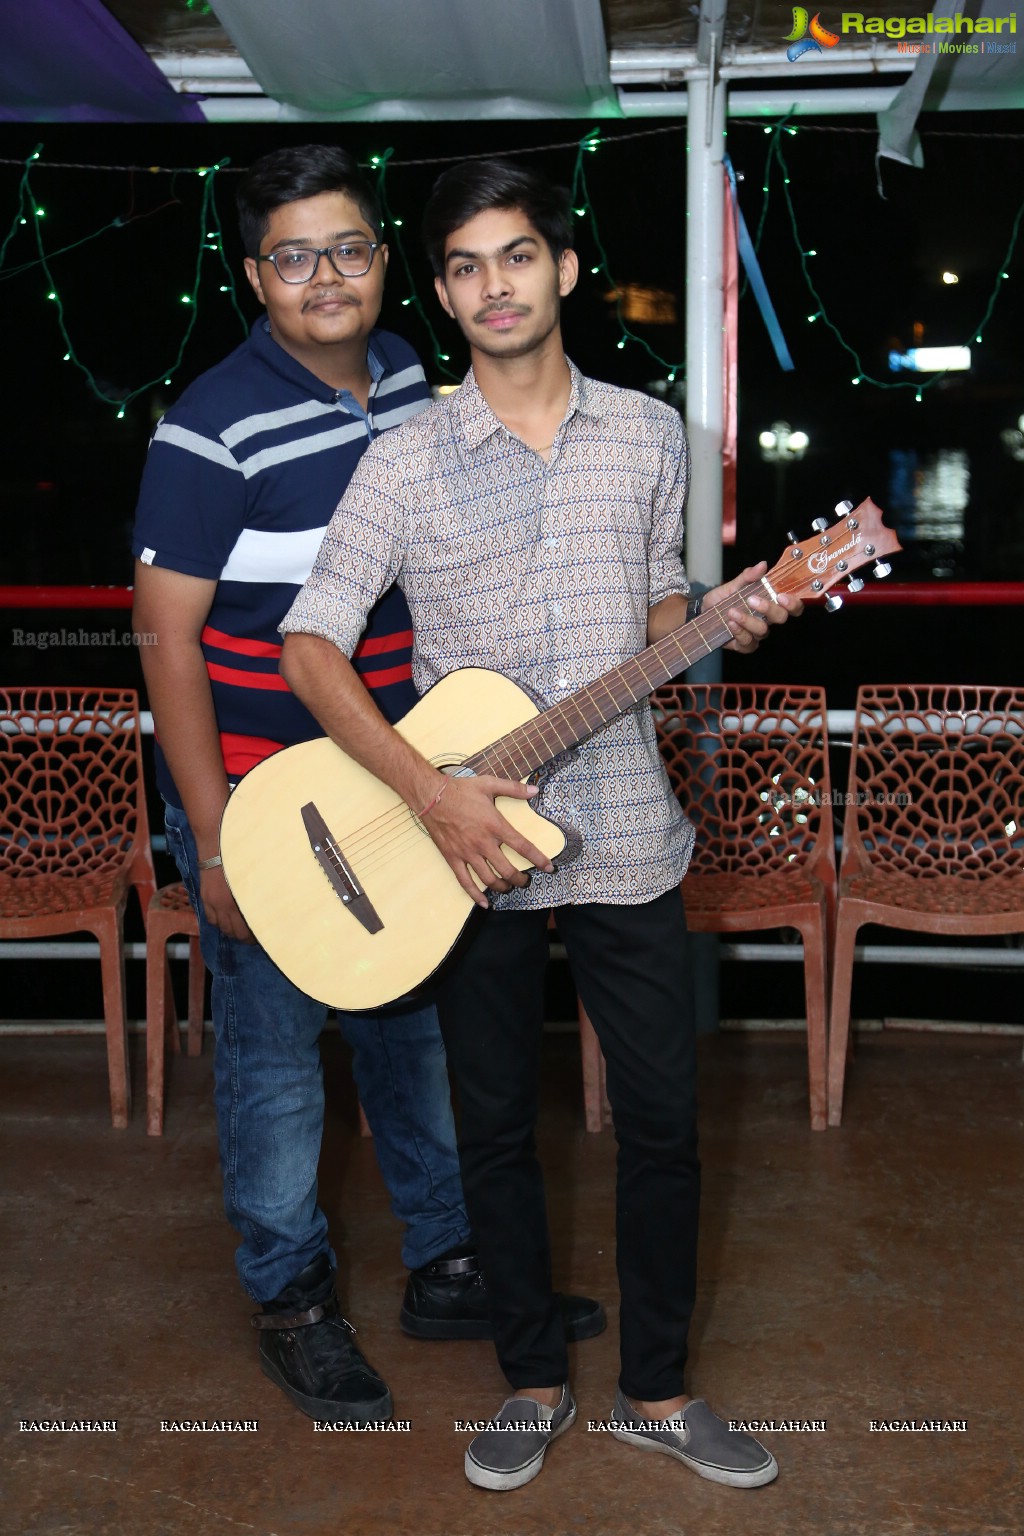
(318, 251)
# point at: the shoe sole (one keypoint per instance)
(714, 1474)
(331, 1413)
(502, 1482)
(439, 1328)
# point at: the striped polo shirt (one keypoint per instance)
(241, 479)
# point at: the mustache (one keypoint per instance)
(500, 309)
(330, 296)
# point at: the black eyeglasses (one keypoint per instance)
(349, 258)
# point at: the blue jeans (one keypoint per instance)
(270, 1107)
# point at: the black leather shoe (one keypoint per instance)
(306, 1349)
(447, 1299)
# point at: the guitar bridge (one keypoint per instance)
(337, 869)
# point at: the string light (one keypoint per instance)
(862, 376)
(380, 165)
(580, 199)
(30, 211)
(210, 240)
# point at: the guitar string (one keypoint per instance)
(533, 732)
(405, 828)
(401, 828)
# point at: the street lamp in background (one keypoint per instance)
(781, 446)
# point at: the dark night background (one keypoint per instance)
(71, 468)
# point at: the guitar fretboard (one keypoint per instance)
(528, 747)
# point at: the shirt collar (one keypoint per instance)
(290, 368)
(478, 421)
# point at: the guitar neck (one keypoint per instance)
(528, 747)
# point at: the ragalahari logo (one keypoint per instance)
(798, 40)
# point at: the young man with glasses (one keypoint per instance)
(563, 498)
(242, 476)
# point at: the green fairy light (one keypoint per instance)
(380, 165)
(209, 239)
(805, 252)
(580, 200)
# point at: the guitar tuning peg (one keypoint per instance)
(882, 568)
(820, 524)
(833, 603)
(791, 536)
(855, 584)
(843, 507)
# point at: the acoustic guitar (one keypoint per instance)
(341, 882)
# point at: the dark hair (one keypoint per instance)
(462, 192)
(286, 175)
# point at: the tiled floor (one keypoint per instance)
(872, 1273)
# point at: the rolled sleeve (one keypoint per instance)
(667, 575)
(359, 559)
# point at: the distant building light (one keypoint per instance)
(644, 306)
(931, 360)
(950, 277)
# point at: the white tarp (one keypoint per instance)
(389, 60)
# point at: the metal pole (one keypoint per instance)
(705, 147)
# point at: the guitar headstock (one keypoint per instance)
(834, 552)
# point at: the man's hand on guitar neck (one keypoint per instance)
(748, 620)
(469, 830)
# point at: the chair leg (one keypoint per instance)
(196, 997)
(161, 1014)
(109, 931)
(172, 1034)
(839, 1020)
(816, 1005)
(596, 1111)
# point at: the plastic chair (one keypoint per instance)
(170, 913)
(749, 762)
(74, 834)
(934, 834)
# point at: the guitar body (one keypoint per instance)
(287, 899)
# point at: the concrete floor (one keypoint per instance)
(869, 1273)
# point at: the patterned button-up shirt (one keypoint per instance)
(543, 571)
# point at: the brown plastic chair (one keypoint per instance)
(749, 762)
(170, 913)
(74, 834)
(933, 839)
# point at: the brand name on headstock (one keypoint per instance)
(822, 558)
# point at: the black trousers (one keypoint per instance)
(630, 966)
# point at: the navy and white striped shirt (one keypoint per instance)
(241, 479)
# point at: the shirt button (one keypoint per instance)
(550, 541)
(562, 682)
(556, 609)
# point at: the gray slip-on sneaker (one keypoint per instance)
(510, 1451)
(701, 1439)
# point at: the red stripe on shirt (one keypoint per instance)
(381, 643)
(225, 642)
(272, 680)
(241, 753)
(387, 675)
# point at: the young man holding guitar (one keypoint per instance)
(534, 522)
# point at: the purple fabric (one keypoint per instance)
(71, 61)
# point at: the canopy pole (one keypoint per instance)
(705, 199)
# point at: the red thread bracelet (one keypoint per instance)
(433, 802)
